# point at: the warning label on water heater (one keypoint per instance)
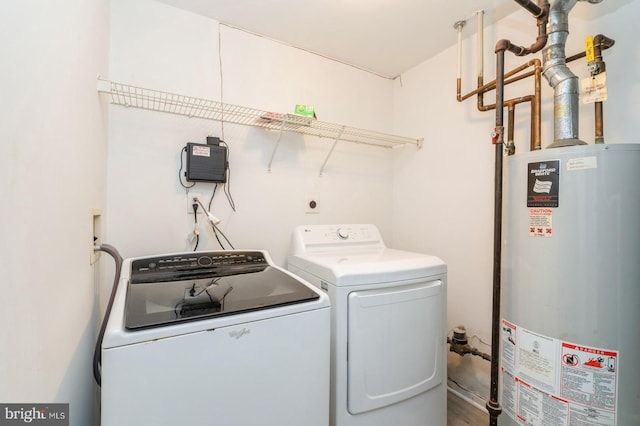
(547, 381)
(543, 181)
(541, 223)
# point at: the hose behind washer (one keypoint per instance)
(97, 352)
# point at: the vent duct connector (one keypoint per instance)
(565, 84)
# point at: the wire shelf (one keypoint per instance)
(155, 100)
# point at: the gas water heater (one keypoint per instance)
(570, 339)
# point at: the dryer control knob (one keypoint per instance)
(342, 234)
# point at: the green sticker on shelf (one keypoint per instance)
(305, 110)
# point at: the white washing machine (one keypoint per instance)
(215, 338)
(388, 327)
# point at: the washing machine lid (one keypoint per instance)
(367, 265)
(171, 289)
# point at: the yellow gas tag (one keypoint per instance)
(591, 54)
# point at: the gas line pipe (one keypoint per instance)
(493, 405)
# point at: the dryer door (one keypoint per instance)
(395, 344)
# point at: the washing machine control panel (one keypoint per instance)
(191, 265)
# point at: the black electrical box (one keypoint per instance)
(206, 162)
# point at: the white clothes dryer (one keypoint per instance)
(215, 338)
(388, 325)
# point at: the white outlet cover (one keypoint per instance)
(312, 205)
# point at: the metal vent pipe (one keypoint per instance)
(565, 84)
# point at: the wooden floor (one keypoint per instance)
(461, 413)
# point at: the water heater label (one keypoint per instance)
(543, 181)
(582, 163)
(549, 381)
(594, 89)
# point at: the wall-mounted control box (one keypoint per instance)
(207, 162)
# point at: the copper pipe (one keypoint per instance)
(516, 101)
(536, 110)
(576, 56)
(541, 14)
(519, 77)
(535, 99)
(480, 82)
(511, 109)
(537, 45)
(600, 42)
(492, 85)
(599, 125)
(484, 88)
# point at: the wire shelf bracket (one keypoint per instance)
(154, 100)
(335, 142)
(275, 147)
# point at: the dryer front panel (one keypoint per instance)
(395, 337)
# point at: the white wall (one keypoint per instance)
(54, 145)
(53, 173)
(164, 48)
(443, 195)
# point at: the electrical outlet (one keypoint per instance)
(96, 234)
(191, 196)
(312, 205)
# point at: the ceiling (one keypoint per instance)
(386, 37)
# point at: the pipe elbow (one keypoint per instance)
(603, 41)
(502, 45)
(539, 44)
